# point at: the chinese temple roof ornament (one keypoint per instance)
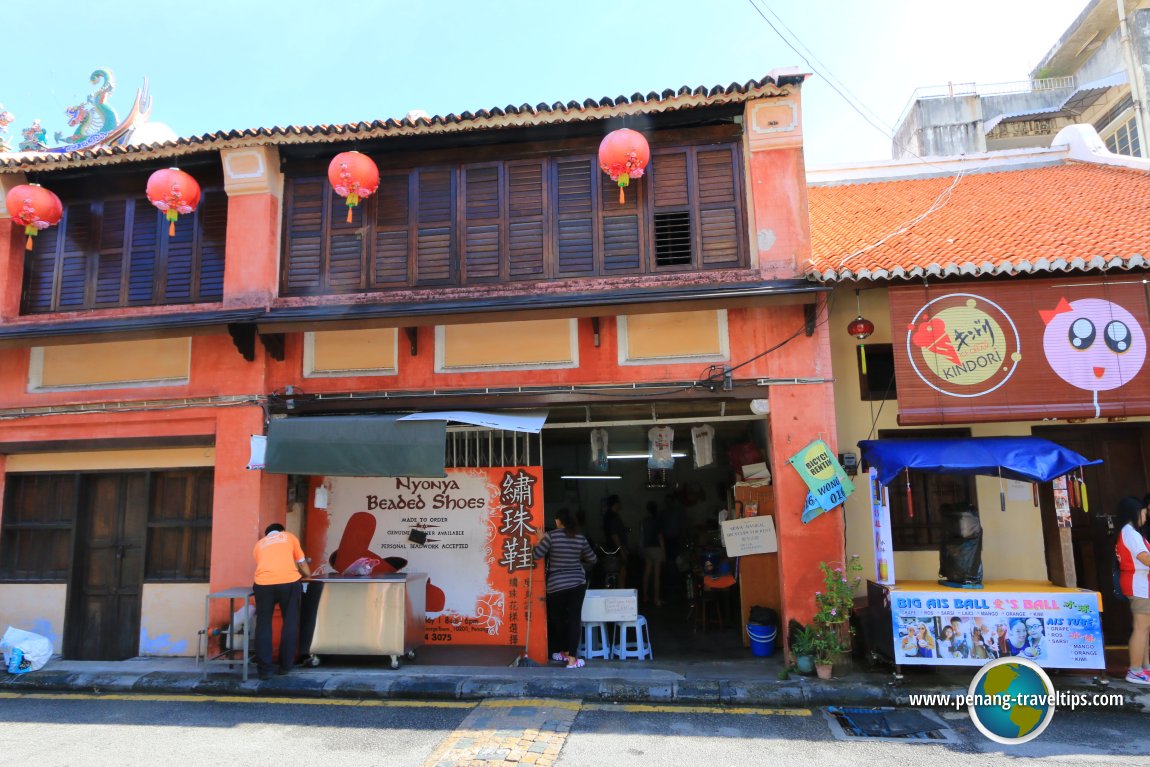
(34, 208)
(623, 155)
(6, 119)
(92, 123)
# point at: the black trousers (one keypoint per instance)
(564, 619)
(287, 596)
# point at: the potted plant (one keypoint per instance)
(831, 624)
(803, 647)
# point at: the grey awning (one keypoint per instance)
(356, 446)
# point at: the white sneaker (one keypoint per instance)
(1139, 676)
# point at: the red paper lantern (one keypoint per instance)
(174, 192)
(35, 208)
(623, 155)
(354, 176)
(860, 327)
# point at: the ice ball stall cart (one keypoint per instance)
(962, 620)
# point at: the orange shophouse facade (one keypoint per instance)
(495, 270)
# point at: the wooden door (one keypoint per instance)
(758, 573)
(1125, 470)
(103, 621)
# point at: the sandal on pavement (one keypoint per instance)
(579, 663)
(559, 656)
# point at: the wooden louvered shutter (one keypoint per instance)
(110, 256)
(482, 223)
(304, 246)
(40, 270)
(213, 213)
(392, 230)
(72, 278)
(435, 217)
(718, 208)
(143, 251)
(177, 261)
(622, 251)
(574, 217)
(670, 181)
(526, 227)
(346, 267)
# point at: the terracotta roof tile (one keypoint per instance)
(483, 119)
(1068, 217)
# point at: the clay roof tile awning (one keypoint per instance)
(1066, 217)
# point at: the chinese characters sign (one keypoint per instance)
(1021, 350)
(481, 525)
(1057, 629)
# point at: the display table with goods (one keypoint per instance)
(962, 619)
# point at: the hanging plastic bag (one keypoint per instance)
(25, 651)
(360, 568)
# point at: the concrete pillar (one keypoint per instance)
(254, 184)
(11, 252)
(244, 501)
(780, 226)
(800, 414)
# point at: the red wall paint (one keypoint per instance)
(251, 273)
(11, 268)
(244, 502)
(779, 194)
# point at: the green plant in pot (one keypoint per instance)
(831, 629)
(803, 647)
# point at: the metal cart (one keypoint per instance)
(379, 615)
(235, 637)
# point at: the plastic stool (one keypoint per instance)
(632, 640)
(593, 642)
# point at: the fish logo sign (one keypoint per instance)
(963, 345)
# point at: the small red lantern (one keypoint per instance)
(860, 327)
(174, 192)
(623, 155)
(35, 208)
(354, 176)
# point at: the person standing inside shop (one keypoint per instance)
(615, 531)
(1133, 552)
(568, 555)
(654, 555)
(280, 564)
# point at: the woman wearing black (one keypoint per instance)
(567, 552)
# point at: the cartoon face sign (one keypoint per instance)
(1093, 344)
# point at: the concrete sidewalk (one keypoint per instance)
(744, 682)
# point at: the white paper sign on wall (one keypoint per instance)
(753, 535)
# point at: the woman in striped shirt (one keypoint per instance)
(568, 553)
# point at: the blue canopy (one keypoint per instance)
(1030, 459)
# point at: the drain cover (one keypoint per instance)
(893, 724)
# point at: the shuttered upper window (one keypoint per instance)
(116, 252)
(514, 220)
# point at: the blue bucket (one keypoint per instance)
(762, 640)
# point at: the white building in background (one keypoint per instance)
(1096, 73)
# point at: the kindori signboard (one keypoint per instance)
(1021, 350)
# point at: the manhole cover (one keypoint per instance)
(891, 724)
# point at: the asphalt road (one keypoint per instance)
(91, 731)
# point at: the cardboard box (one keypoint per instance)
(610, 605)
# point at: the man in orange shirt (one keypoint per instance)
(280, 563)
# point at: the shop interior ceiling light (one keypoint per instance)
(590, 476)
(628, 456)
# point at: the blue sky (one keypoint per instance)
(220, 65)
